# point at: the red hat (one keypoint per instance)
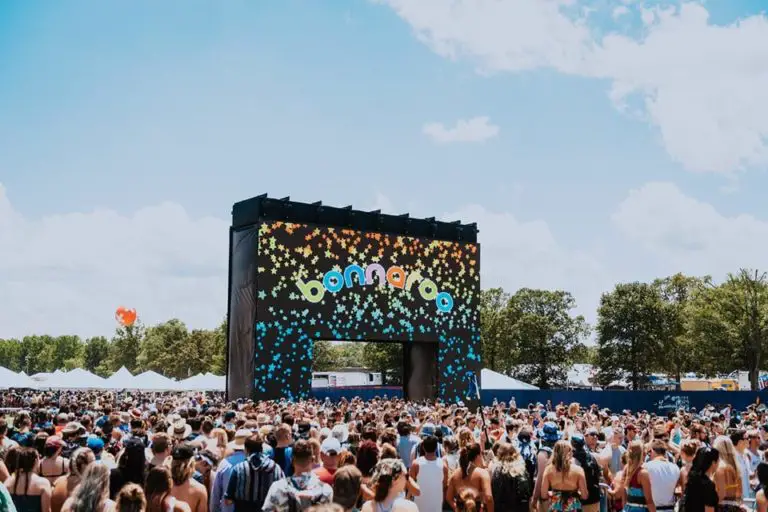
(54, 442)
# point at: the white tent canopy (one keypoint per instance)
(121, 379)
(203, 382)
(153, 381)
(75, 379)
(497, 381)
(11, 379)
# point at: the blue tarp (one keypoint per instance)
(659, 402)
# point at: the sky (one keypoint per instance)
(593, 141)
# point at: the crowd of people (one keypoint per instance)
(104, 452)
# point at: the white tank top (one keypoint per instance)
(664, 476)
(430, 481)
(171, 504)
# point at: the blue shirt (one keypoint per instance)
(221, 482)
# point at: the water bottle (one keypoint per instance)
(512, 403)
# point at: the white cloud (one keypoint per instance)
(68, 273)
(685, 234)
(517, 253)
(477, 129)
(620, 11)
(702, 85)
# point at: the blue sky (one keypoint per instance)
(174, 110)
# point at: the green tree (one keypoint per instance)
(10, 354)
(730, 323)
(678, 350)
(96, 352)
(218, 360)
(67, 351)
(322, 356)
(496, 320)
(629, 332)
(124, 349)
(36, 354)
(386, 358)
(166, 349)
(547, 335)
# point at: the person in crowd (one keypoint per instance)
(283, 452)
(185, 487)
(131, 499)
(235, 455)
(158, 492)
(728, 476)
(431, 474)
(160, 450)
(588, 462)
(471, 474)
(636, 480)
(66, 484)
(53, 465)
(92, 494)
(217, 442)
(390, 478)
(753, 452)
(700, 491)
(131, 467)
(688, 450)
(563, 485)
(206, 463)
(301, 490)
(664, 476)
(511, 485)
(330, 449)
(547, 438)
(761, 500)
(29, 491)
(251, 479)
(5, 442)
(740, 443)
(347, 488)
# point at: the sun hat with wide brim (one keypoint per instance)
(180, 429)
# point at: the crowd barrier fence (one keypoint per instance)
(659, 402)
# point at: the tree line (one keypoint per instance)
(672, 325)
(169, 348)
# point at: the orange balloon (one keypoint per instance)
(125, 317)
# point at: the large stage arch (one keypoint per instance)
(302, 272)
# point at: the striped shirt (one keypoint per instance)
(250, 481)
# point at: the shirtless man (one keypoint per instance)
(185, 488)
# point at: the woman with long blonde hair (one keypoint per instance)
(636, 482)
(563, 484)
(92, 495)
(65, 485)
(510, 484)
(727, 479)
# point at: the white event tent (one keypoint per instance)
(75, 379)
(153, 381)
(11, 379)
(496, 381)
(121, 379)
(203, 382)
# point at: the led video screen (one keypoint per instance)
(320, 282)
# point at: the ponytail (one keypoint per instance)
(381, 490)
(468, 454)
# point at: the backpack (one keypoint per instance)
(592, 472)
